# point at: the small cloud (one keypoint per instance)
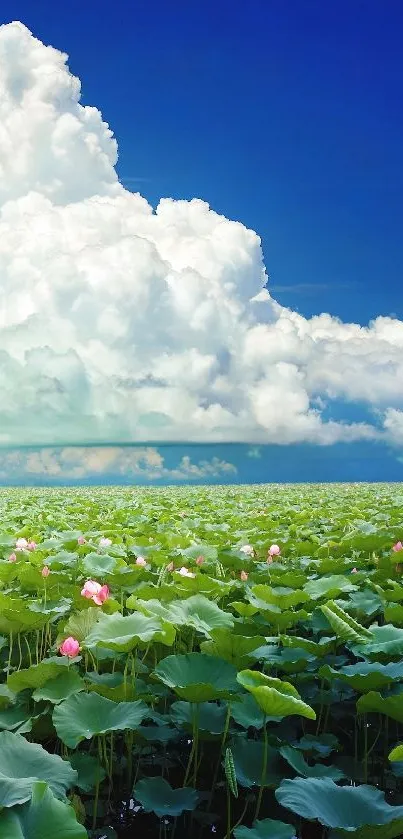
(254, 452)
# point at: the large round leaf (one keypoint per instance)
(347, 808)
(391, 706)
(198, 677)
(365, 676)
(23, 763)
(275, 697)
(84, 715)
(156, 795)
(123, 634)
(44, 817)
(266, 829)
(38, 674)
(197, 611)
(63, 686)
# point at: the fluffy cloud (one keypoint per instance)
(123, 464)
(121, 323)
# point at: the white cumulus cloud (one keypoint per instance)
(119, 322)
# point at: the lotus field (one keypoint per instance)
(182, 662)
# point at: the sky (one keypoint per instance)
(272, 320)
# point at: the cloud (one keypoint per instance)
(97, 463)
(120, 323)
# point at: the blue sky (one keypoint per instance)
(285, 116)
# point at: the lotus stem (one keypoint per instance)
(264, 770)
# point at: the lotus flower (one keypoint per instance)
(21, 544)
(81, 540)
(94, 591)
(70, 647)
(141, 561)
(274, 550)
(31, 546)
(244, 576)
(12, 557)
(104, 542)
(248, 550)
(398, 547)
(184, 572)
(199, 560)
(354, 570)
(45, 571)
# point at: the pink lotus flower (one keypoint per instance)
(70, 647)
(94, 591)
(398, 547)
(185, 573)
(354, 570)
(21, 544)
(199, 560)
(104, 542)
(12, 557)
(141, 561)
(45, 571)
(244, 576)
(31, 546)
(81, 540)
(248, 550)
(274, 550)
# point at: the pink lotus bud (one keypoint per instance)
(81, 540)
(141, 561)
(354, 571)
(70, 647)
(21, 544)
(274, 550)
(398, 547)
(31, 546)
(45, 571)
(101, 596)
(170, 567)
(244, 576)
(12, 557)
(104, 542)
(200, 560)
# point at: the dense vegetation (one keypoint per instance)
(181, 662)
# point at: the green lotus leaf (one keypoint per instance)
(63, 686)
(85, 715)
(266, 829)
(123, 633)
(319, 648)
(247, 713)
(210, 717)
(80, 624)
(396, 754)
(23, 763)
(233, 648)
(284, 598)
(89, 770)
(343, 625)
(38, 674)
(275, 697)
(364, 676)
(386, 643)
(394, 614)
(157, 796)
(328, 587)
(96, 565)
(248, 761)
(347, 808)
(390, 706)
(246, 610)
(197, 677)
(7, 697)
(322, 745)
(196, 611)
(318, 770)
(17, 718)
(44, 817)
